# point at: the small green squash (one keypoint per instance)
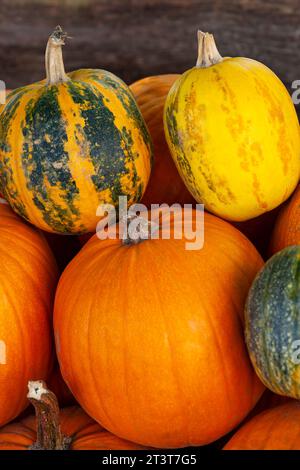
(273, 323)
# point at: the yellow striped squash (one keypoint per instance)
(233, 133)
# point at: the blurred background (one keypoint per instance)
(135, 38)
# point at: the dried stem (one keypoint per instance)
(55, 69)
(208, 53)
(49, 435)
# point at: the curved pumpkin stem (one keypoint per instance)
(208, 53)
(135, 229)
(49, 435)
(55, 69)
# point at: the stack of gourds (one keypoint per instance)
(149, 336)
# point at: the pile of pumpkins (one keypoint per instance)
(149, 344)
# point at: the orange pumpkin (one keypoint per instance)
(150, 335)
(165, 184)
(70, 429)
(275, 429)
(27, 283)
(287, 227)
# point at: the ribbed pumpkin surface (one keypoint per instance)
(28, 279)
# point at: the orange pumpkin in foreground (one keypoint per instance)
(150, 338)
(275, 429)
(28, 279)
(287, 227)
(69, 429)
(165, 184)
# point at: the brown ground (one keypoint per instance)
(141, 37)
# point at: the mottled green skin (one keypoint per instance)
(109, 80)
(5, 172)
(41, 157)
(272, 318)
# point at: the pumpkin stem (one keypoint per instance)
(55, 69)
(138, 228)
(208, 53)
(49, 435)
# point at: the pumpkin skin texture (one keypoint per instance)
(165, 184)
(81, 141)
(274, 429)
(287, 228)
(273, 323)
(28, 280)
(85, 433)
(155, 356)
(229, 126)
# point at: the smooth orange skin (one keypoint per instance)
(28, 279)
(75, 423)
(150, 336)
(287, 227)
(165, 184)
(275, 429)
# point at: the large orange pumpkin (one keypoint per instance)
(28, 278)
(69, 429)
(165, 184)
(150, 335)
(275, 429)
(287, 227)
